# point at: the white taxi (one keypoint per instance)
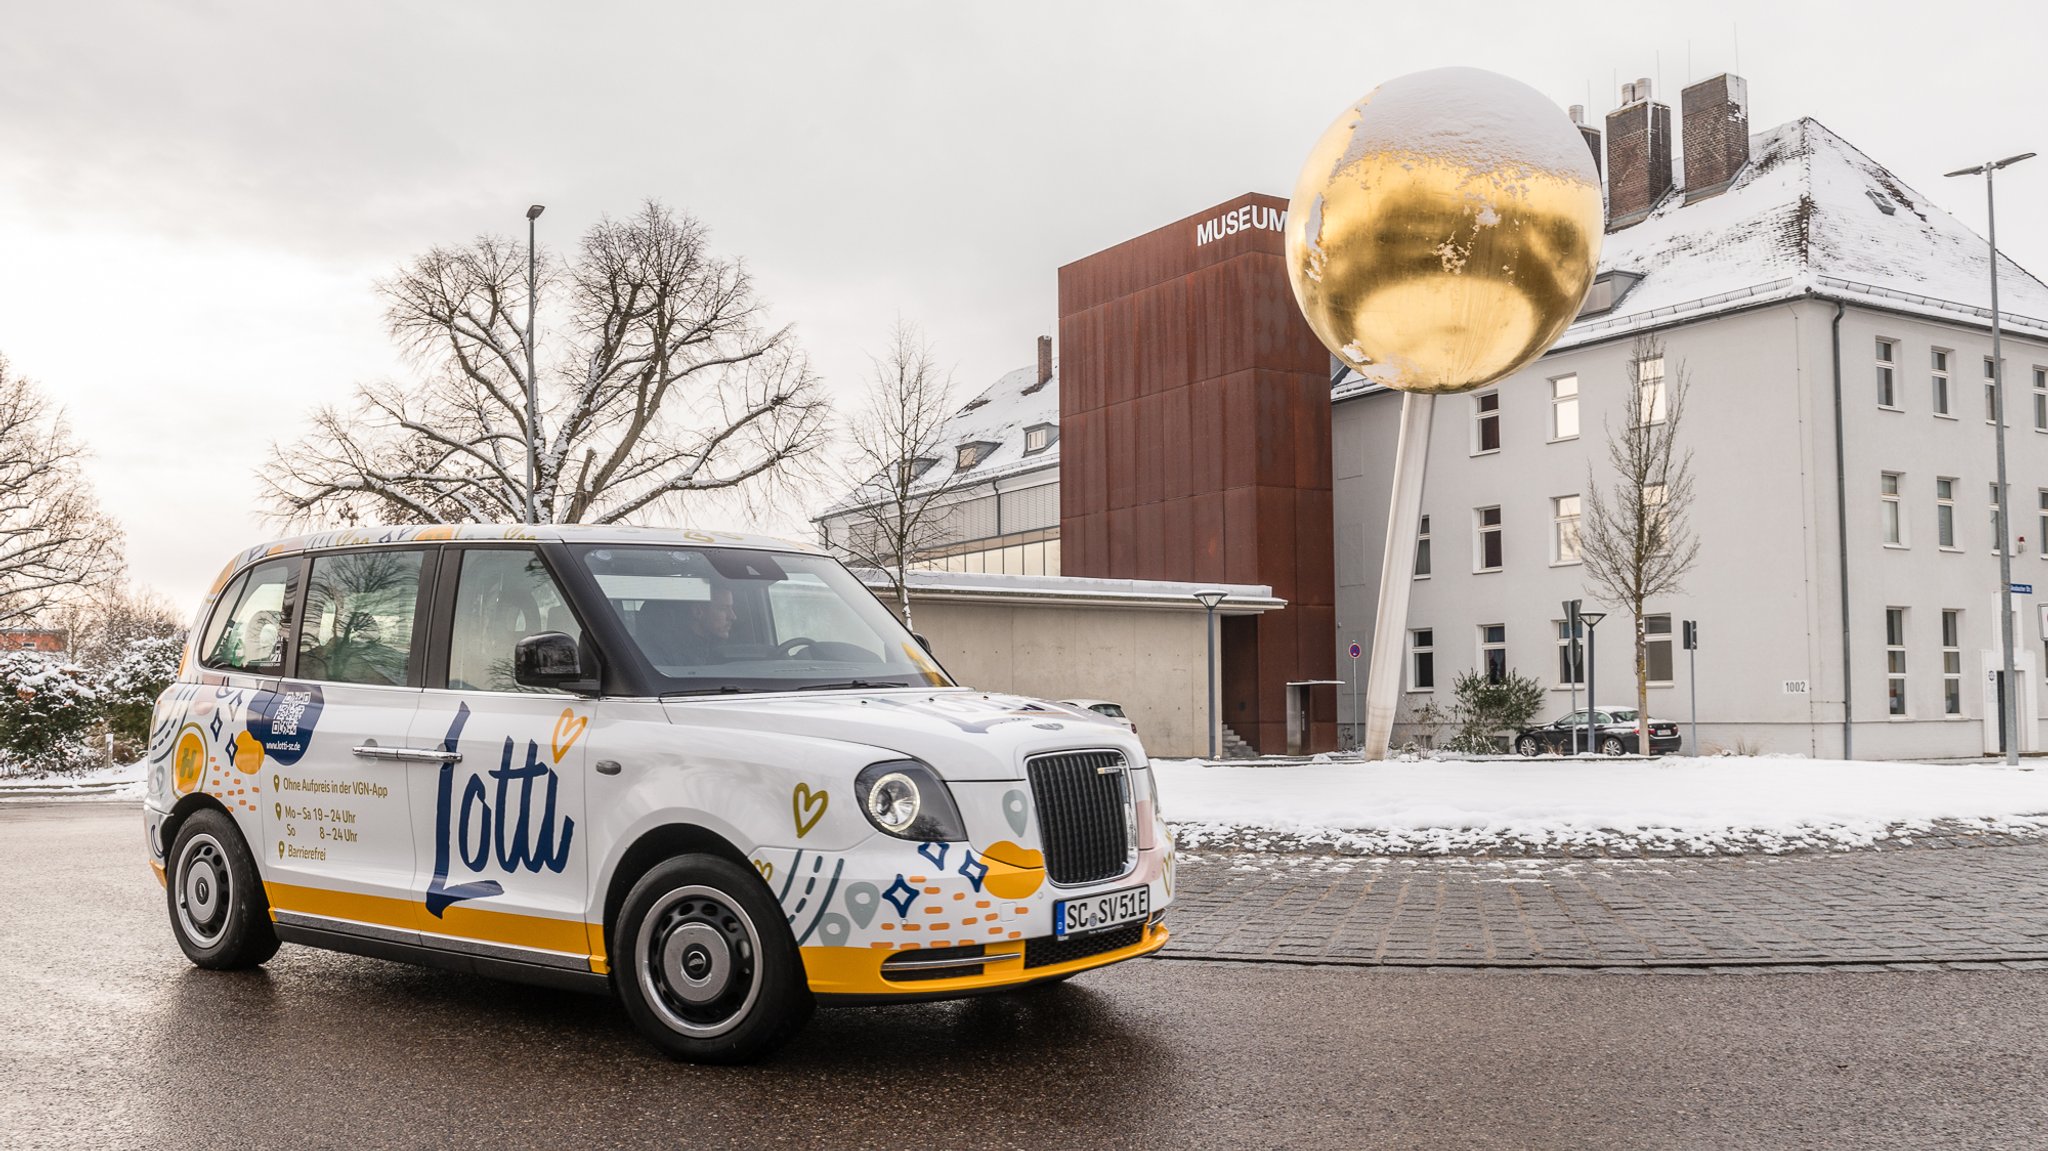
(709, 773)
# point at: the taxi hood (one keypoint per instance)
(964, 735)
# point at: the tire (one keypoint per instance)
(704, 963)
(1612, 745)
(219, 914)
(1527, 745)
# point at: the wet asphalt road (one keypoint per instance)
(109, 1038)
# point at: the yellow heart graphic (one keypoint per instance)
(567, 729)
(801, 800)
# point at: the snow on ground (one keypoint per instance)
(123, 780)
(1719, 804)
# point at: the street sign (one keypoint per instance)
(1356, 651)
(2023, 589)
(1691, 633)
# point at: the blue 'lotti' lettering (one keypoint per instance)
(481, 830)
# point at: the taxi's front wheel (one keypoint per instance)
(704, 962)
(218, 909)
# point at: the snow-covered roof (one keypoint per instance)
(1806, 216)
(999, 415)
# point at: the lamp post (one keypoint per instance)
(532, 387)
(2008, 697)
(1592, 621)
(1209, 599)
(1573, 668)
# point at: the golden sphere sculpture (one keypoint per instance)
(1444, 230)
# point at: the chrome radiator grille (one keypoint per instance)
(1080, 796)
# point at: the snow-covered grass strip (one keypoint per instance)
(1709, 805)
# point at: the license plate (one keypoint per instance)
(1094, 912)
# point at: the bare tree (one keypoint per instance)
(1637, 540)
(900, 435)
(112, 618)
(55, 542)
(664, 381)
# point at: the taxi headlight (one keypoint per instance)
(908, 800)
(1148, 790)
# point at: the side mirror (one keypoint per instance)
(922, 642)
(550, 660)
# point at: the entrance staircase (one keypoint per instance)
(1233, 746)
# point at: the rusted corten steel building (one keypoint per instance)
(1195, 427)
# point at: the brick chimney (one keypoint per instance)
(1045, 354)
(1638, 155)
(1589, 133)
(1716, 123)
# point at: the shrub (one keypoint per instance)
(1485, 710)
(48, 712)
(146, 666)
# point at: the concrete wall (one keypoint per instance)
(1767, 590)
(1152, 662)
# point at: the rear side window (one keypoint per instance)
(250, 626)
(360, 609)
(502, 596)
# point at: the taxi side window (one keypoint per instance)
(250, 626)
(502, 596)
(360, 608)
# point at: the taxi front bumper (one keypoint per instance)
(859, 975)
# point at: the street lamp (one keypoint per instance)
(532, 388)
(2008, 701)
(1574, 670)
(1209, 598)
(1592, 620)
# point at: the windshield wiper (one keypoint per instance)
(844, 684)
(721, 689)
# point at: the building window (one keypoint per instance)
(2044, 522)
(1564, 408)
(2041, 399)
(1486, 423)
(971, 454)
(1997, 528)
(1656, 516)
(1887, 392)
(1990, 390)
(1571, 665)
(1945, 511)
(1564, 520)
(1037, 438)
(1422, 660)
(1895, 659)
(1657, 647)
(1493, 652)
(1422, 549)
(1488, 551)
(1894, 519)
(1940, 381)
(1951, 663)
(1650, 398)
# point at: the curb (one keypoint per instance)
(1790, 964)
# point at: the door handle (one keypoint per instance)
(408, 754)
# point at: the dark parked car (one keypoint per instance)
(1614, 733)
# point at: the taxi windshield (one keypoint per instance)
(714, 620)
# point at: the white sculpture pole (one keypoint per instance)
(1397, 573)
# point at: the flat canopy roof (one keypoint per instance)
(1076, 591)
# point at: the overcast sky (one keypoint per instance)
(196, 197)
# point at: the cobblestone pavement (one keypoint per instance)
(1952, 903)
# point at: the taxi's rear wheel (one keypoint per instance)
(218, 910)
(705, 964)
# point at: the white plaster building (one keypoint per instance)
(1834, 326)
(1003, 459)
